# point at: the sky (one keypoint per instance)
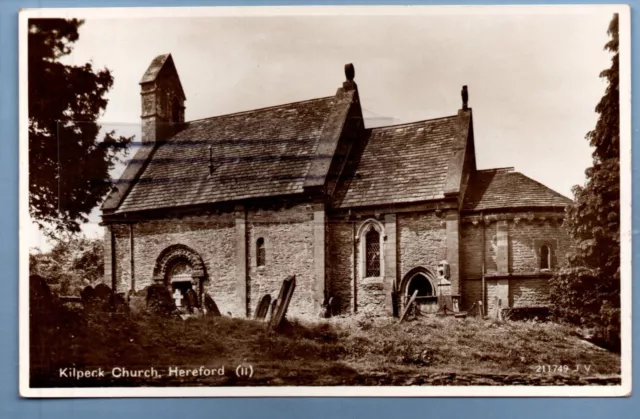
(533, 78)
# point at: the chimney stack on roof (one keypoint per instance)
(465, 98)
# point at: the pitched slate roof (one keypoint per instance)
(259, 153)
(401, 163)
(503, 188)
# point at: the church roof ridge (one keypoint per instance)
(264, 108)
(422, 121)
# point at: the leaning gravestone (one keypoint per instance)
(263, 307)
(192, 301)
(286, 292)
(210, 306)
(159, 300)
(272, 309)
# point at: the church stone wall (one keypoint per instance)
(341, 268)
(422, 241)
(526, 284)
(211, 236)
(529, 292)
(527, 236)
(288, 240)
(288, 237)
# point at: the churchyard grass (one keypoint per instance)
(355, 350)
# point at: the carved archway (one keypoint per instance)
(180, 268)
(174, 253)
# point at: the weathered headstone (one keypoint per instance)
(138, 300)
(408, 306)
(102, 296)
(192, 300)
(177, 298)
(159, 299)
(272, 309)
(87, 295)
(263, 307)
(286, 292)
(210, 306)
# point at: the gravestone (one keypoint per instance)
(138, 300)
(286, 292)
(177, 298)
(86, 295)
(102, 297)
(159, 299)
(191, 300)
(210, 306)
(272, 309)
(263, 307)
(408, 306)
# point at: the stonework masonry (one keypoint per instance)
(410, 240)
(289, 248)
(511, 259)
(353, 212)
(422, 240)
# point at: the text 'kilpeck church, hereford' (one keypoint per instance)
(231, 205)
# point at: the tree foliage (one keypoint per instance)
(68, 167)
(72, 264)
(588, 291)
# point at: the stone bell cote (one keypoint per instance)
(162, 100)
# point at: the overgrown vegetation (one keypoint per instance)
(338, 351)
(73, 263)
(588, 291)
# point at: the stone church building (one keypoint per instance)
(233, 204)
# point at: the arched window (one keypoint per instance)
(372, 253)
(261, 254)
(545, 257)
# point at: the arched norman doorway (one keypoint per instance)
(424, 282)
(181, 269)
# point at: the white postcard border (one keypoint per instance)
(624, 389)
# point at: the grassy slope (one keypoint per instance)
(340, 351)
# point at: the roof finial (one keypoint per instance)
(465, 98)
(349, 71)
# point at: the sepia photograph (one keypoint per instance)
(325, 201)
